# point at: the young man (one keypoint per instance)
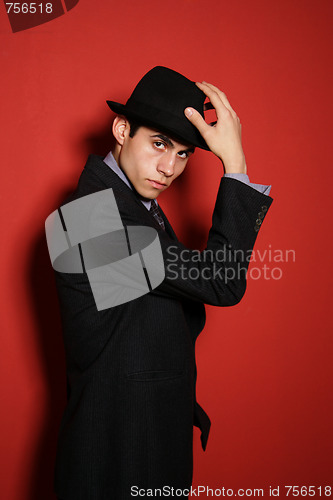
(128, 424)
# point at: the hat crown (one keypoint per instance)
(164, 88)
(159, 100)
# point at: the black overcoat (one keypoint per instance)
(131, 368)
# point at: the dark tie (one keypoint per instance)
(156, 213)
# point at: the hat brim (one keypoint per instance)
(147, 118)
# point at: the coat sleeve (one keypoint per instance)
(217, 275)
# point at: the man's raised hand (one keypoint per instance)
(223, 137)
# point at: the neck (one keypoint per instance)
(116, 153)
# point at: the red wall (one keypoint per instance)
(265, 365)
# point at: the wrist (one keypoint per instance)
(235, 168)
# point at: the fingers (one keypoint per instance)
(221, 94)
(226, 116)
(216, 96)
(196, 119)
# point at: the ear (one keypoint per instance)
(120, 129)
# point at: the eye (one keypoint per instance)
(159, 145)
(183, 155)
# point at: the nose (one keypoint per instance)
(166, 165)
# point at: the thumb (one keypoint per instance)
(196, 119)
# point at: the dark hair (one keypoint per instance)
(134, 126)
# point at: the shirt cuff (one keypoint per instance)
(245, 178)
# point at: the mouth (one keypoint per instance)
(156, 184)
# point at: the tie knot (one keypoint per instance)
(153, 205)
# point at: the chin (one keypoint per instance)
(146, 195)
(149, 196)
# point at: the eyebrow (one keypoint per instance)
(168, 141)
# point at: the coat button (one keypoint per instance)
(256, 228)
(258, 222)
(264, 208)
(261, 215)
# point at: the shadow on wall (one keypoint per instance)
(42, 290)
(97, 141)
(48, 336)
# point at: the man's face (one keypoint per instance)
(152, 161)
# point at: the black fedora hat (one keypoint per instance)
(159, 100)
